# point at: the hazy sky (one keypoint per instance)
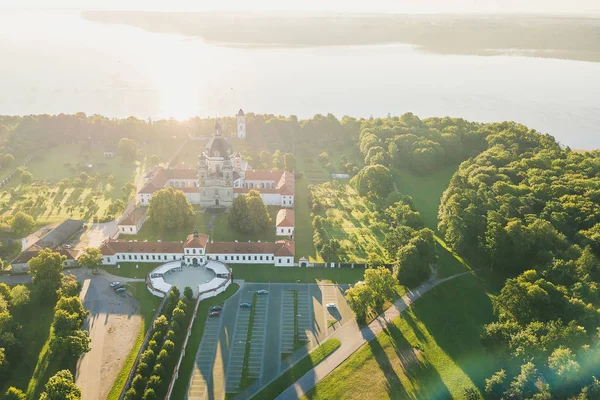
(400, 6)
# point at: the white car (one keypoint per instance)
(331, 305)
(262, 291)
(115, 284)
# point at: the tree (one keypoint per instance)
(495, 385)
(127, 149)
(277, 160)
(6, 160)
(410, 269)
(249, 214)
(26, 177)
(90, 258)
(562, 362)
(375, 180)
(289, 162)
(46, 272)
(14, 394)
(170, 209)
(5, 291)
(69, 286)
(360, 298)
(75, 343)
(61, 387)
(188, 293)
(19, 296)
(154, 160)
(22, 223)
(382, 283)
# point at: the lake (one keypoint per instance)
(57, 62)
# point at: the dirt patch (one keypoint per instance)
(121, 332)
(113, 324)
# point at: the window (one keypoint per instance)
(217, 258)
(107, 259)
(272, 258)
(288, 260)
(118, 258)
(130, 229)
(135, 257)
(261, 258)
(194, 251)
(237, 258)
(255, 258)
(147, 257)
(243, 258)
(279, 261)
(174, 258)
(225, 258)
(153, 257)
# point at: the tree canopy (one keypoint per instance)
(46, 272)
(170, 209)
(249, 214)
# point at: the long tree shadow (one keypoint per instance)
(454, 314)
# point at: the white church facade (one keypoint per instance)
(221, 176)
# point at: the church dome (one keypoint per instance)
(218, 146)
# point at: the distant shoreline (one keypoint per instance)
(563, 38)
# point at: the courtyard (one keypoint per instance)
(189, 276)
(245, 348)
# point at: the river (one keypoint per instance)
(57, 62)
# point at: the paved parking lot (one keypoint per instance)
(220, 359)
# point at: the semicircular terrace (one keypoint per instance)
(206, 280)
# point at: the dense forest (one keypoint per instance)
(530, 210)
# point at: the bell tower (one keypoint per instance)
(241, 125)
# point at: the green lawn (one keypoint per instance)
(433, 351)
(129, 270)
(222, 232)
(426, 190)
(303, 233)
(151, 233)
(35, 320)
(148, 304)
(298, 370)
(270, 273)
(187, 364)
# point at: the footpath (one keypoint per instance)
(353, 337)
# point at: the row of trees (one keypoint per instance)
(11, 302)
(530, 209)
(153, 372)
(277, 161)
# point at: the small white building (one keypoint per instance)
(241, 125)
(284, 223)
(132, 222)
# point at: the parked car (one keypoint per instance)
(67, 246)
(120, 290)
(118, 286)
(216, 308)
(215, 314)
(262, 291)
(245, 305)
(115, 284)
(331, 305)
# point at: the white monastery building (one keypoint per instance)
(197, 250)
(284, 223)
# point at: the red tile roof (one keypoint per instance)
(278, 248)
(159, 177)
(285, 218)
(284, 182)
(34, 251)
(134, 216)
(196, 242)
(111, 247)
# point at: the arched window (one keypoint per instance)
(262, 185)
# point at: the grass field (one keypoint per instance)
(222, 232)
(187, 364)
(426, 190)
(298, 370)
(148, 304)
(35, 319)
(433, 351)
(350, 219)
